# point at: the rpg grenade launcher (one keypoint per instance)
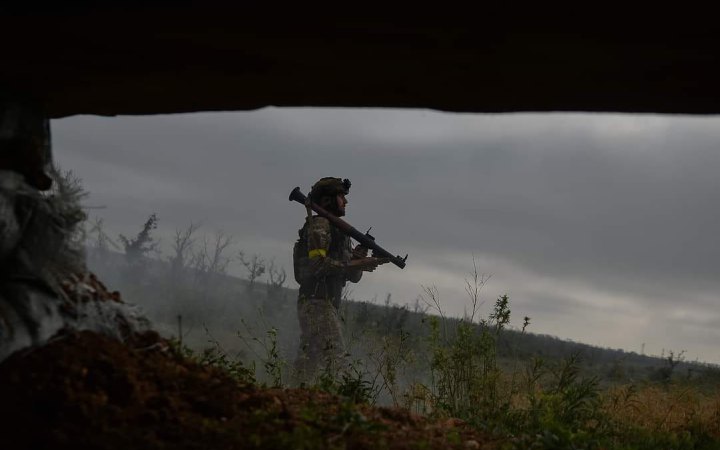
(363, 238)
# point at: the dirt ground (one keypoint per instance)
(87, 391)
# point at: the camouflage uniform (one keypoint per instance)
(321, 255)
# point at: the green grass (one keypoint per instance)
(530, 391)
(539, 405)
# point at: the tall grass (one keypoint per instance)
(454, 370)
(551, 405)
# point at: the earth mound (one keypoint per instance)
(84, 390)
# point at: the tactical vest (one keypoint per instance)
(311, 285)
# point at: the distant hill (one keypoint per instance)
(226, 311)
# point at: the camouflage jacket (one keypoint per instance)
(320, 257)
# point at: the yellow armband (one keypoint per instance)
(317, 252)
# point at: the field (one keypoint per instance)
(524, 390)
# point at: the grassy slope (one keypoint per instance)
(229, 314)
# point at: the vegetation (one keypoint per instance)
(530, 391)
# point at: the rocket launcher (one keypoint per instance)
(363, 238)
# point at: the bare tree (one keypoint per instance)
(255, 266)
(218, 262)
(210, 261)
(183, 243)
(673, 359)
(277, 280)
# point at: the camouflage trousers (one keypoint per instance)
(321, 350)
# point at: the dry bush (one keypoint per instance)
(672, 409)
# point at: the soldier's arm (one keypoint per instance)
(319, 237)
(358, 252)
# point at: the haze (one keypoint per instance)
(601, 228)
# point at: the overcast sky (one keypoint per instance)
(602, 228)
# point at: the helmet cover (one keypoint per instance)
(329, 186)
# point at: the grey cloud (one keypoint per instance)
(624, 204)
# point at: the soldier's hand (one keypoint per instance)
(360, 251)
(368, 264)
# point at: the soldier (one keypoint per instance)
(324, 261)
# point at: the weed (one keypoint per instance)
(465, 377)
(273, 364)
(454, 368)
(215, 356)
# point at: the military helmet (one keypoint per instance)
(25, 143)
(329, 186)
